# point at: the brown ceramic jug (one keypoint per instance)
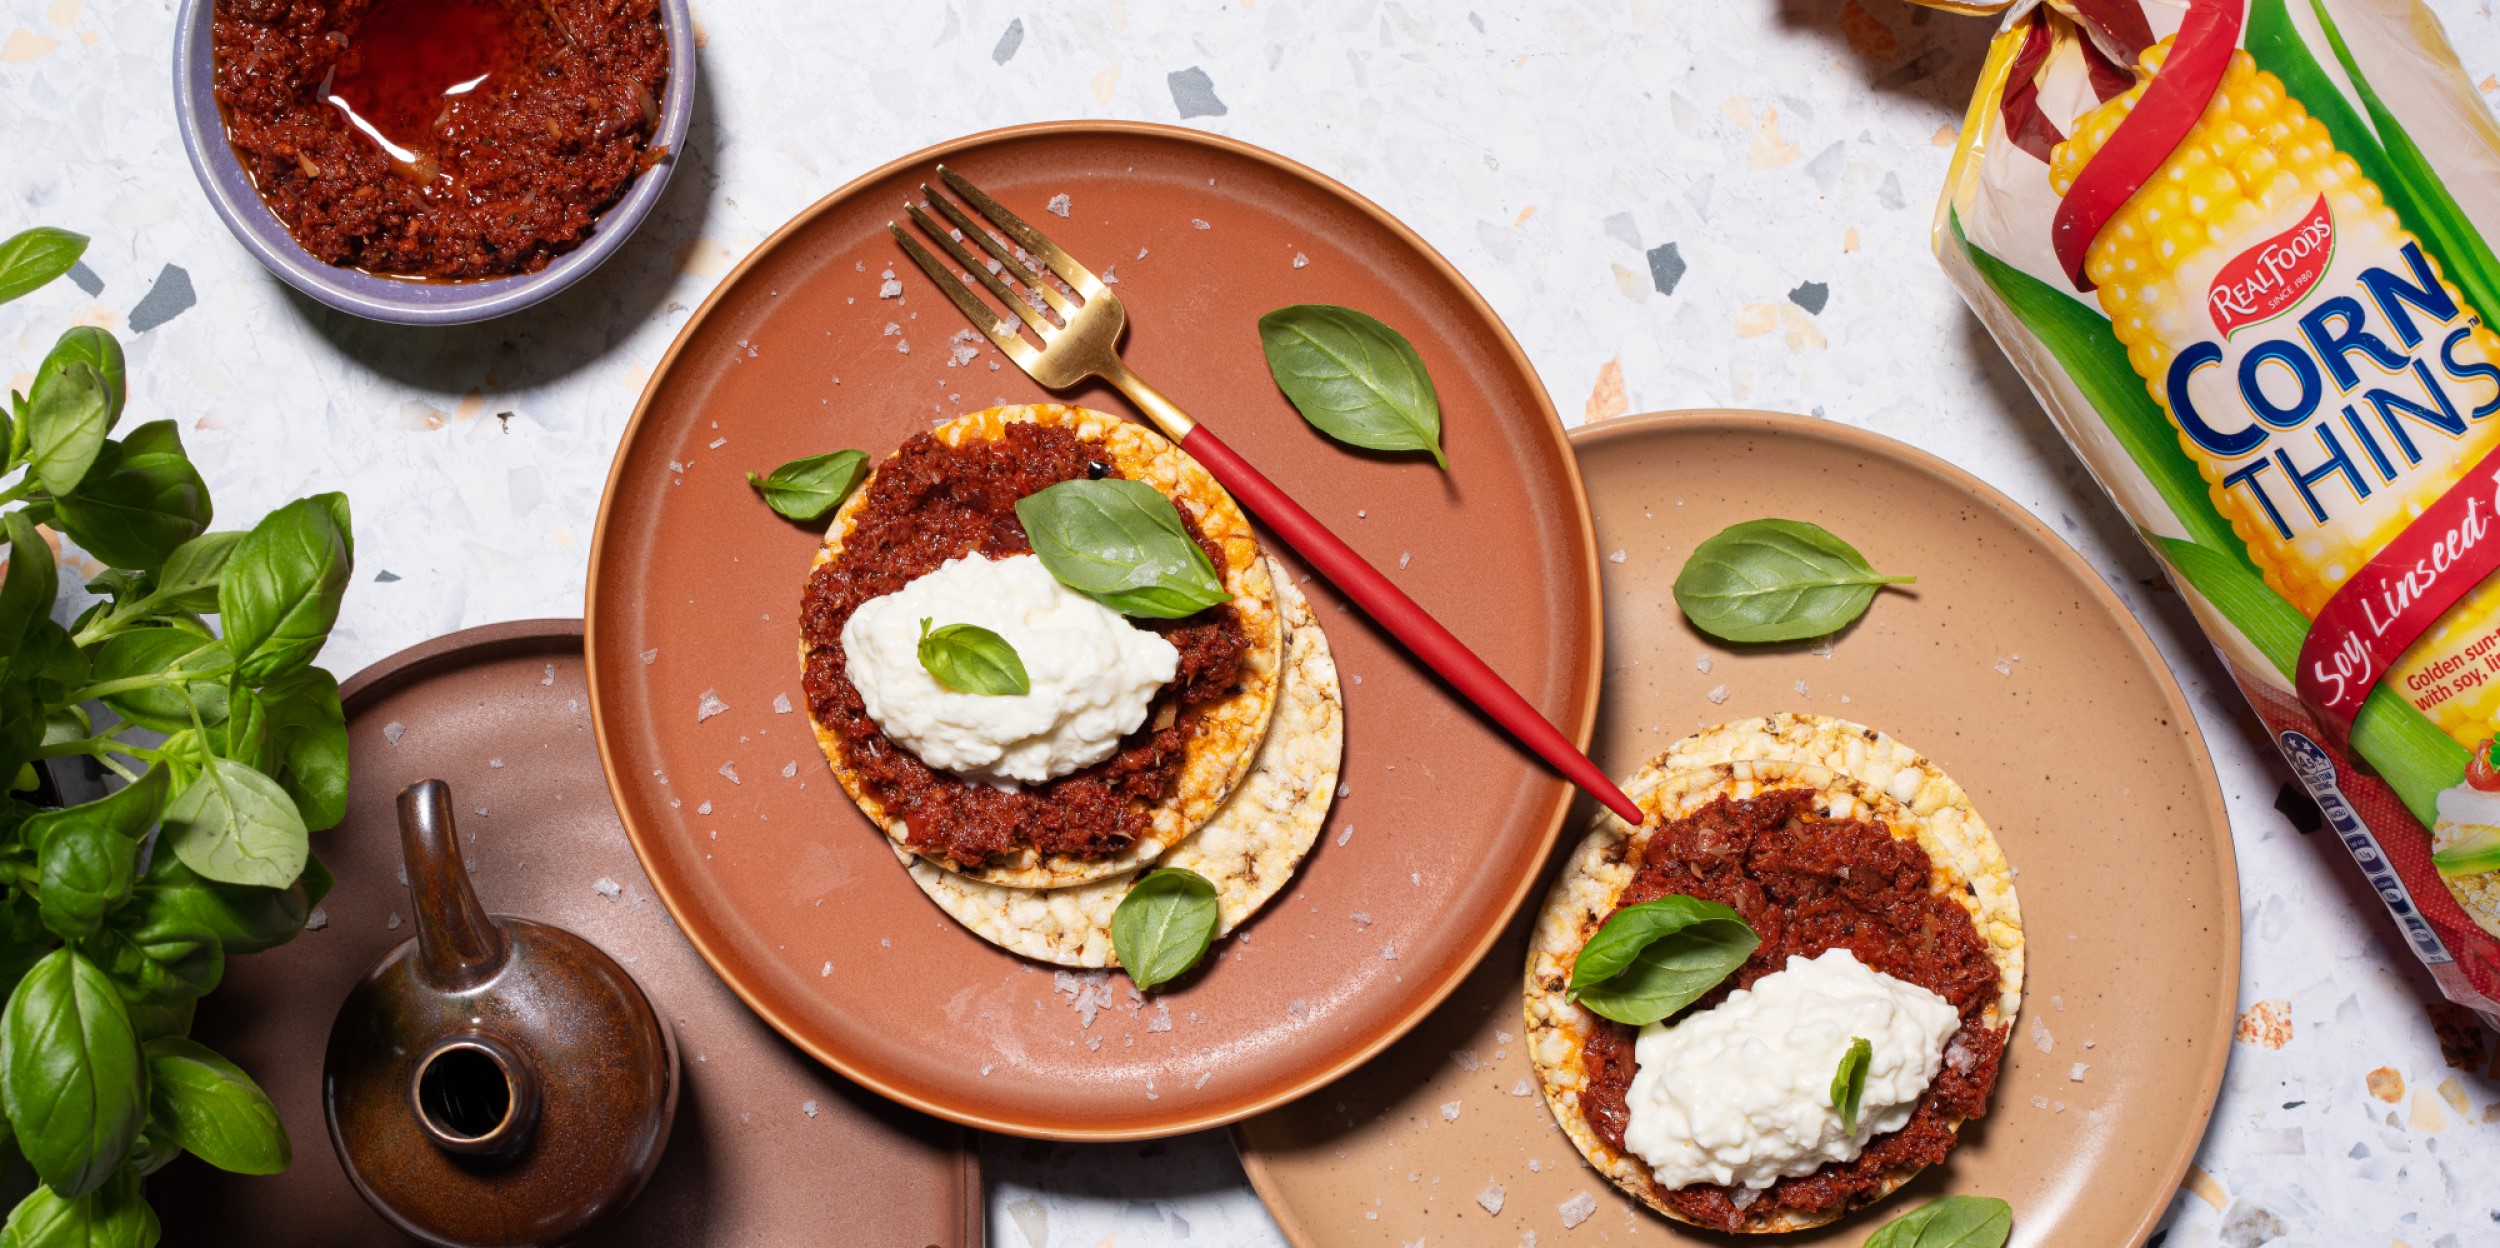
(493, 1081)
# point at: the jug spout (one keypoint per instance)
(458, 947)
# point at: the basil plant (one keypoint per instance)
(191, 682)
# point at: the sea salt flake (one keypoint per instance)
(1465, 1059)
(1344, 790)
(317, 920)
(606, 887)
(1801, 688)
(704, 809)
(902, 346)
(1301, 261)
(1535, 1166)
(650, 656)
(1577, 1210)
(781, 704)
(729, 771)
(1490, 1198)
(1058, 205)
(1347, 835)
(393, 731)
(808, 1108)
(1389, 952)
(2040, 1037)
(1617, 557)
(1701, 663)
(1404, 558)
(1195, 223)
(2075, 1075)
(1717, 694)
(495, 763)
(789, 769)
(987, 1067)
(396, 921)
(825, 971)
(1449, 1111)
(1297, 1009)
(1522, 1088)
(2005, 667)
(708, 705)
(2039, 1102)
(1362, 918)
(1162, 1020)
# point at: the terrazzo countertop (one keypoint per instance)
(1673, 204)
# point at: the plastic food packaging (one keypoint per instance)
(2242, 250)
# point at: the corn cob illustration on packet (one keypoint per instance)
(2242, 252)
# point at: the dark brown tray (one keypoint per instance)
(500, 713)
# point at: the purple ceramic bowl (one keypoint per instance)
(385, 299)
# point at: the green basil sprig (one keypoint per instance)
(1951, 1222)
(214, 1110)
(70, 1075)
(1849, 1083)
(31, 258)
(1353, 378)
(1776, 580)
(1653, 959)
(1122, 544)
(968, 658)
(805, 489)
(1164, 926)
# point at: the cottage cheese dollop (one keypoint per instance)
(1740, 1094)
(1093, 673)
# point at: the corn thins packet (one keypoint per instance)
(2242, 252)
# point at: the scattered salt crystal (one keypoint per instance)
(1404, 558)
(1616, 557)
(1701, 663)
(789, 769)
(1801, 688)
(2005, 667)
(1346, 835)
(1523, 1087)
(1361, 514)
(2076, 1075)
(1110, 275)
(825, 971)
(650, 656)
(1490, 1198)
(495, 763)
(987, 1067)
(1362, 918)
(808, 1108)
(717, 443)
(1141, 253)
(902, 346)
(1297, 1009)
(1195, 223)
(1577, 1210)
(1389, 952)
(781, 704)
(704, 809)
(709, 705)
(2039, 1102)
(962, 355)
(393, 731)
(1162, 1020)
(2041, 1038)
(1449, 1111)
(729, 771)
(395, 920)
(2091, 1044)
(1301, 261)
(2059, 1002)
(1058, 205)
(1717, 694)
(1535, 1166)
(1202, 1079)
(1465, 1059)
(2058, 1106)
(317, 920)
(1343, 790)
(606, 887)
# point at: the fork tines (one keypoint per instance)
(1042, 296)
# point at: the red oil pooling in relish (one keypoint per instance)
(413, 64)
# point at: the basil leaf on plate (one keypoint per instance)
(1952, 1222)
(805, 489)
(1849, 1083)
(236, 825)
(1164, 926)
(281, 589)
(213, 1109)
(1122, 544)
(1353, 378)
(1653, 959)
(30, 258)
(70, 1073)
(968, 658)
(1776, 580)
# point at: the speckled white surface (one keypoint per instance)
(1553, 151)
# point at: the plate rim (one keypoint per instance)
(1630, 428)
(1586, 694)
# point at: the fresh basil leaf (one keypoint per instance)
(283, 585)
(31, 258)
(87, 856)
(157, 958)
(70, 1073)
(214, 1109)
(26, 595)
(156, 1149)
(1164, 925)
(1849, 1083)
(1776, 580)
(805, 489)
(968, 658)
(1353, 378)
(115, 1215)
(1653, 959)
(192, 663)
(188, 581)
(86, 344)
(1952, 1222)
(1122, 544)
(67, 417)
(49, 661)
(236, 825)
(244, 918)
(133, 511)
(155, 1022)
(304, 733)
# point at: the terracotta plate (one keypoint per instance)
(694, 590)
(2010, 665)
(501, 714)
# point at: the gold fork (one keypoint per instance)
(1079, 321)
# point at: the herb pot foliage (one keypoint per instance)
(117, 915)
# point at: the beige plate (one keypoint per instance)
(2081, 754)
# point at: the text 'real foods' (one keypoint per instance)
(2222, 240)
(1817, 1063)
(1044, 654)
(440, 139)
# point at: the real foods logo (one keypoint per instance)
(2273, 275)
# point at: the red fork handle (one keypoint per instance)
(1410, 624)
